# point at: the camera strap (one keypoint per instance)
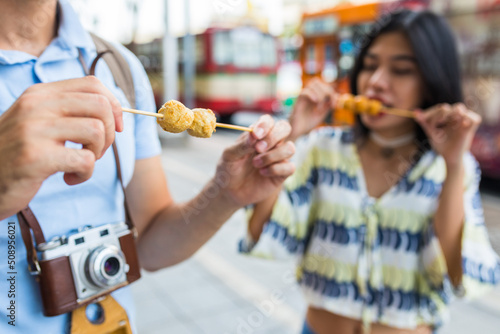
(28, 223)
(123, 79)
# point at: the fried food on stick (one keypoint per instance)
(363, 105)
(374, 107)
(203, 124)
(176, 117)
(360, 104)
(346, 101)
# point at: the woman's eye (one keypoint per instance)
(369, 67)
(402, 71)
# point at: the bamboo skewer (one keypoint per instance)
(233, 127)
(399, 112)
(141, 112)
(220, 125)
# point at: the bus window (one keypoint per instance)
(310, 64)
(268, 51)
(222, 49)
(330, 71)
(200, 50)
(329, 53)
(246, 47)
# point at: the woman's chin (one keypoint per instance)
(374, 122)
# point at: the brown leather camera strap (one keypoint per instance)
(128, 217)
(28, 223)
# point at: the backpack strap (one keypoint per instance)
(119, 67)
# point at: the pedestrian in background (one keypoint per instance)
(385, 218)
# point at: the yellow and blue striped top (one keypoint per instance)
(376, 260)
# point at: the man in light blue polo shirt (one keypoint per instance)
(55, 131)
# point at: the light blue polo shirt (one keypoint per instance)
(59, 207)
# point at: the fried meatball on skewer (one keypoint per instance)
(176, 117)
(204, 123)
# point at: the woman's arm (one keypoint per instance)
(261, 214)
(449, 221)
(450, 129)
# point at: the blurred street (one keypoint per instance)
(219, 291)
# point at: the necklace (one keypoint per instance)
(389, 145)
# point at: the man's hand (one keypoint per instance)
(257, 165)
(34, 130)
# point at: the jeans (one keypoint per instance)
(306, 329)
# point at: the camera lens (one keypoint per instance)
(106, 266)
(111, 266)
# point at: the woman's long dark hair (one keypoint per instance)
(436, 54)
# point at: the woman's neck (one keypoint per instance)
(390, 144)
(27, 25)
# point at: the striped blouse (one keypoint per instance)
(376, 260)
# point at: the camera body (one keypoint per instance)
(89, 263)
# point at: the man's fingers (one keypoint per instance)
(89, 132)
(262, 127)
(281, 152)
(278, 133)
(242, 147)
(77, 165)
(246, 141)
(89, 84)
(86, 105)
(282, 169)
(265, 136)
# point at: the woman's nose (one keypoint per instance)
(379, 80)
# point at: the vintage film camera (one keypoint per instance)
(89, 263)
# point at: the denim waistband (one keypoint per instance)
(306, 329)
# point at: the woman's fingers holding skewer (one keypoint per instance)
(313, 104)
(450, 129)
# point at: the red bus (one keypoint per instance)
(236, 69)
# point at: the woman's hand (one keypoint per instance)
(257, 165)
(312, 107)
(450, 129)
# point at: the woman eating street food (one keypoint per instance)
(385, 217)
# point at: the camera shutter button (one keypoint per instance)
(53, 243)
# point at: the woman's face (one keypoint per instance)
(390, 74)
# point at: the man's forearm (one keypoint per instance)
(178, 231)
